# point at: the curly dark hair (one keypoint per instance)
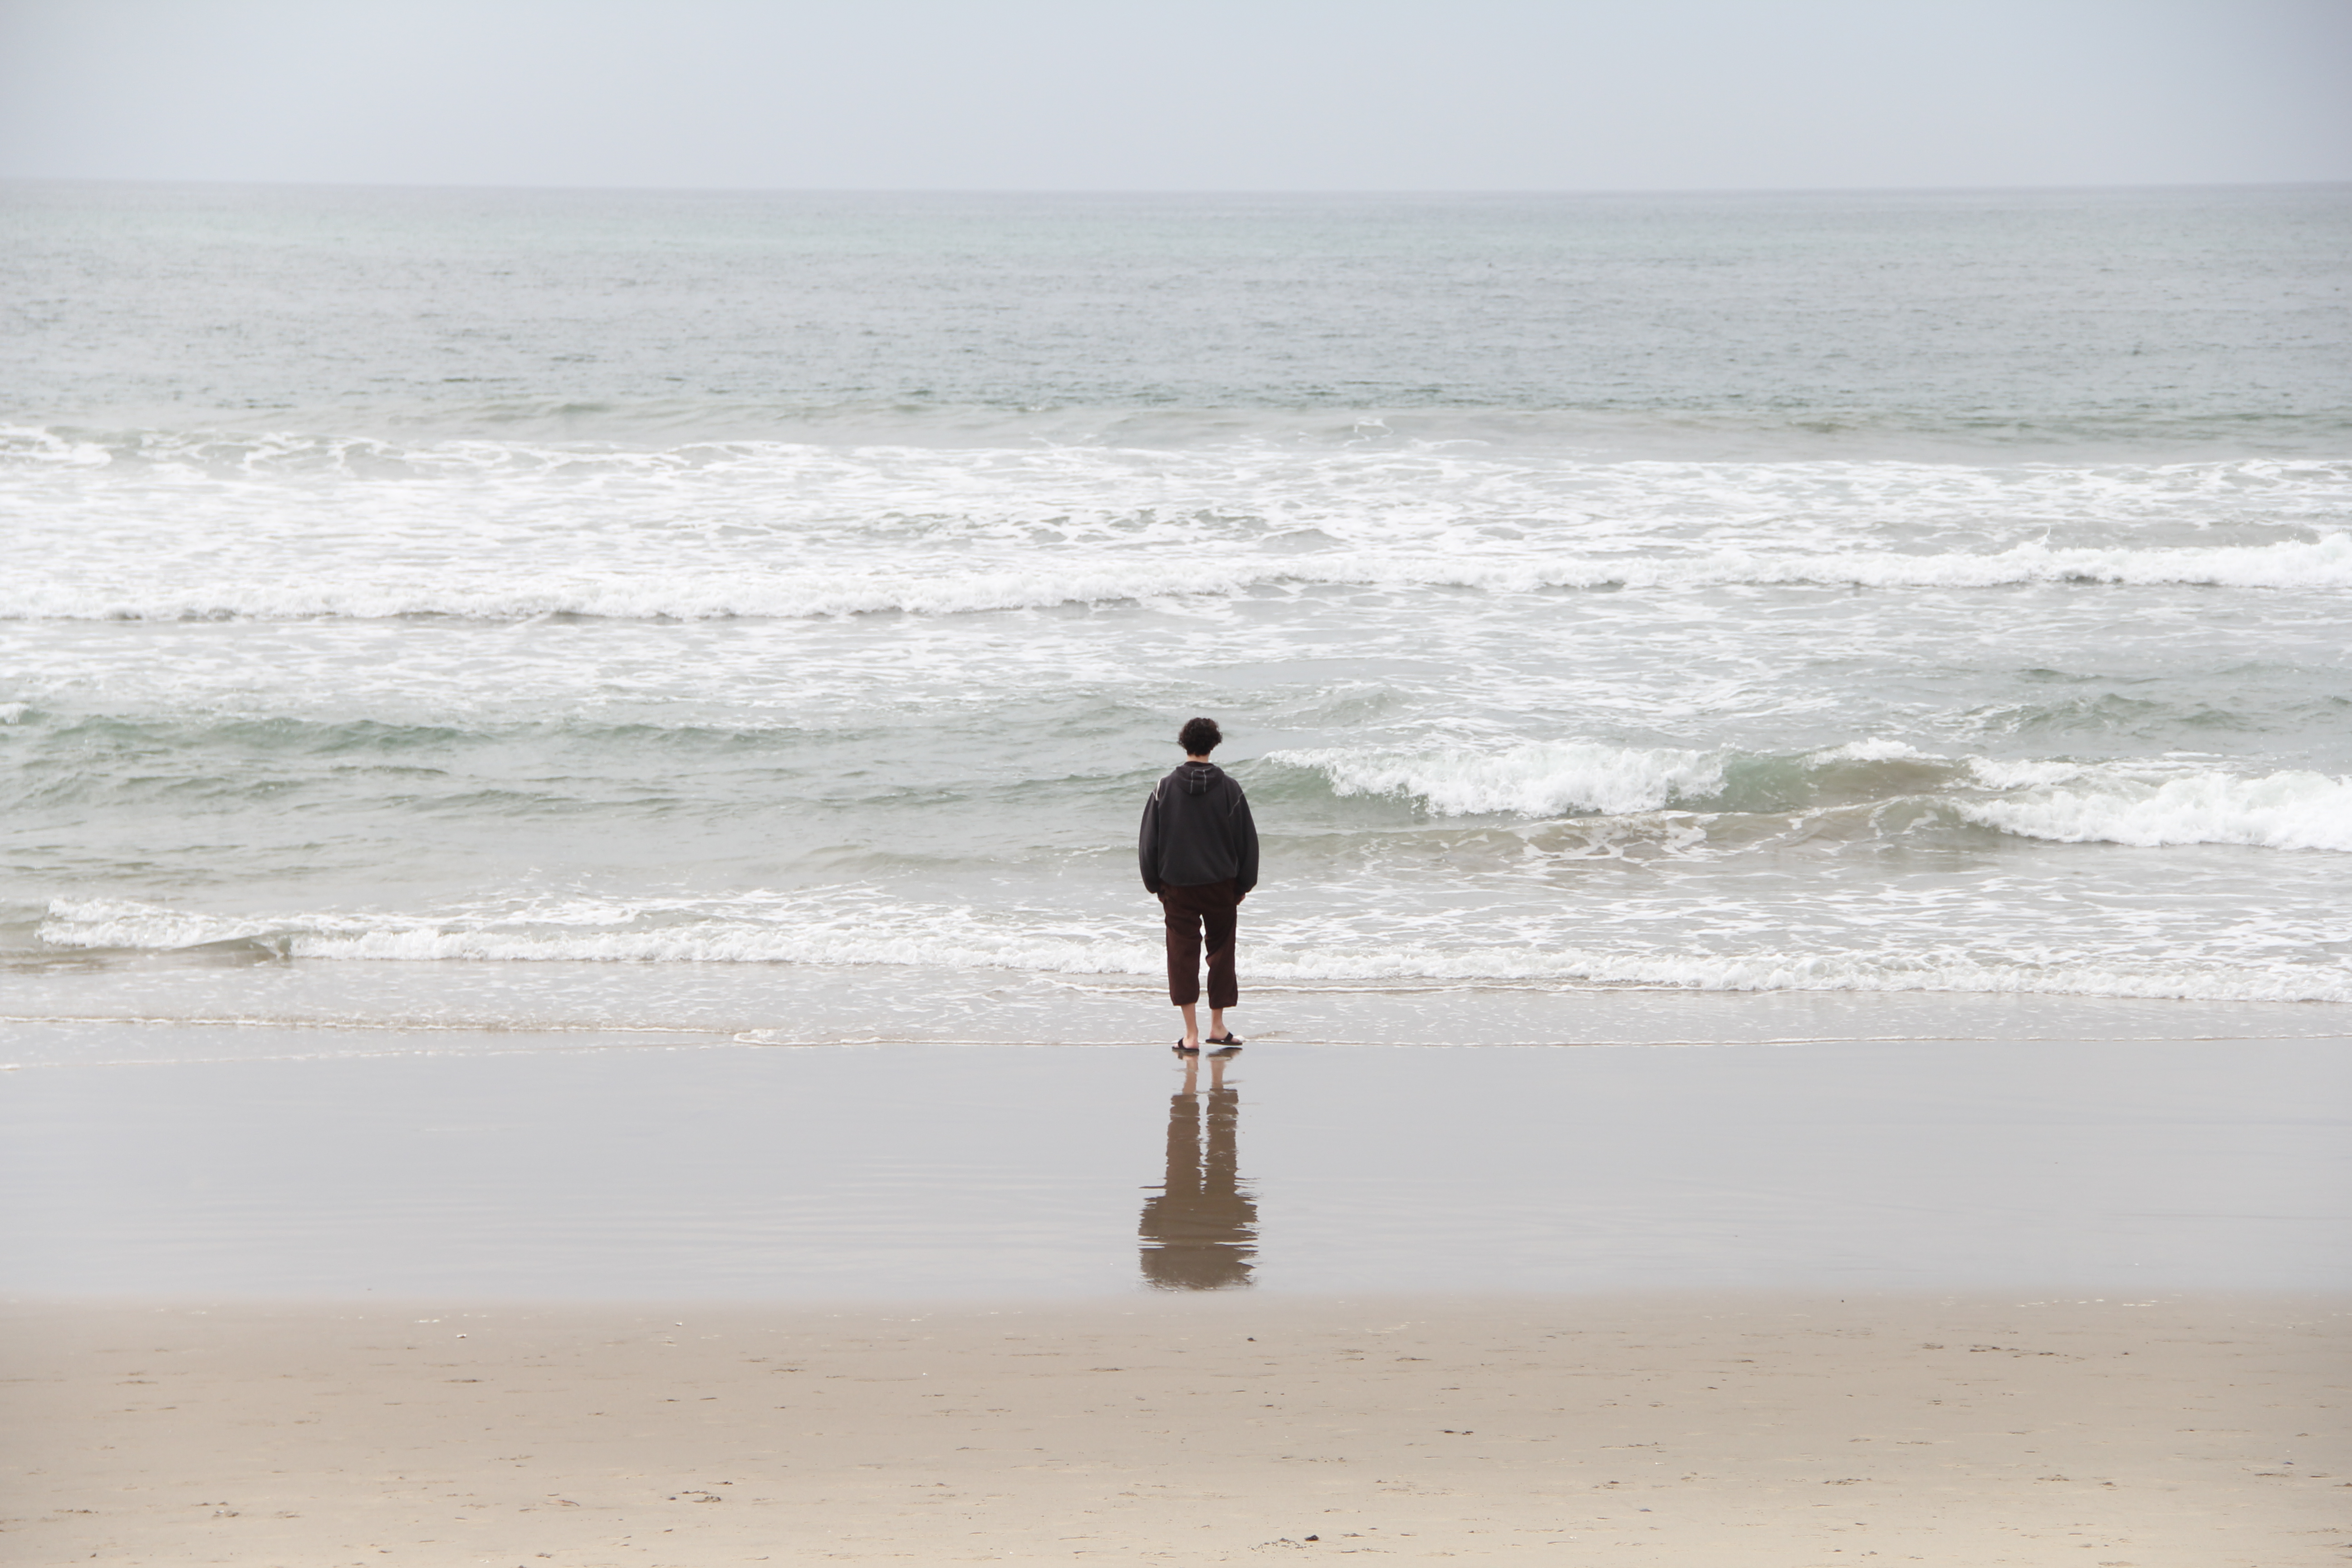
(1199, 737)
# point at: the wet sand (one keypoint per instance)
(500, 1167)
(1684, 1429)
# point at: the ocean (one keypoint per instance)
(761, 617)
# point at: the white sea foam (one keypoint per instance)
(2009, 773)
(1543, 780)
(860, 930)
(484, 591)
(1871, 751)
(135, 925)
(274, 526)
(2289, 810)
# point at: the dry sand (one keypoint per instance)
(2196, 1432)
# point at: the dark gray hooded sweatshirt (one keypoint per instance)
(1197, 829)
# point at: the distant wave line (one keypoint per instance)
(2319, 564)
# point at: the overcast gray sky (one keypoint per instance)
(1229, 95)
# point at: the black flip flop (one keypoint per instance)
(1226, 1043)
(1184, 1051)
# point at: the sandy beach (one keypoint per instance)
(2017, 1301)
(2195, 1432)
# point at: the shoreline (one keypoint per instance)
(2195, 1430)
(188, 1010)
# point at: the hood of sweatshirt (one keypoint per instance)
(1198, 776)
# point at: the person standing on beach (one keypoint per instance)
(1198, 852)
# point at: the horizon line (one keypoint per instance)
(1191, 190)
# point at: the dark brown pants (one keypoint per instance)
(1211, 907)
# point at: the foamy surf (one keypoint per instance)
(1909, 947)
(461, 592)
(162, 525)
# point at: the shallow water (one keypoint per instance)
(1872, 594)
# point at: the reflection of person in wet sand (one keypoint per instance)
(1201, 1232)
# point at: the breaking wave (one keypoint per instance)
(1543, 780)
(2290, 810)
(2136, 804)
